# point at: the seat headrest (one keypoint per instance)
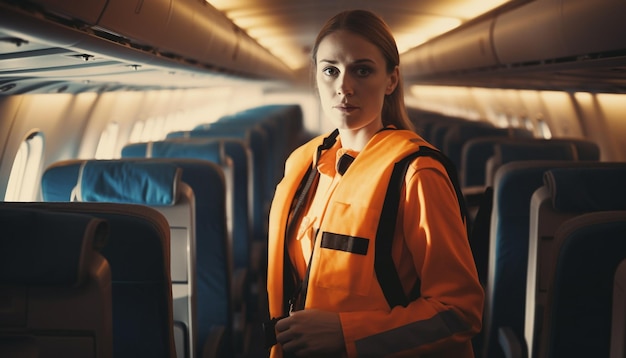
(515, 151)
(210, 149)
(197, 148)
(39, 247)
(587, 189)
(147, 183)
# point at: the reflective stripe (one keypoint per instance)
(410, 336)
(352, 244)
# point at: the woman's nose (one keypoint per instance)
(345, 86)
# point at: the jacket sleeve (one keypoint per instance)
(431, 243)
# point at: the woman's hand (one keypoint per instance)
(311, 332)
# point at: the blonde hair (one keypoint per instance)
(371, 27)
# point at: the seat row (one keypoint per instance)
(551, 287)
(205, 191)
(501, 176)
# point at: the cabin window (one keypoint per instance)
(135, 134)
(502, 120)
(24, 177)
(149, 130)
(544, 129)
(528, 124)
(514, 121)
(108, 140)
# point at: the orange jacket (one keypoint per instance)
(430, 243)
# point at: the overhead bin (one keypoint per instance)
(560, 29)
(529, 33)
(605, 17)
(187, 29)
(526, 34)
(85, 11)
(468, 48)
(417, 61)
(193, 31)
(140, 21)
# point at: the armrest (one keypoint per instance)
(512, 346)
(211, 348)
(239, 289)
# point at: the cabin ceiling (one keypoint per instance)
(74, 46)
(288, 28)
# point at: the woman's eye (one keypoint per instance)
(363, 71)
(330, 71)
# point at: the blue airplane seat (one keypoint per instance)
(141, 286)
(213, 274)
(508, 238)
(54, 283)
(559, 199)
(255, 138)
(579, 320)
(458, 134)
(234, 156)
(214, 150)
(477, 151)
(99, 181)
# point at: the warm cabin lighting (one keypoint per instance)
(276, 26)
(473, 8)
(425, 32)
(613, 109)
(23, 182)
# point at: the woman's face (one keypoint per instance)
(352, 81)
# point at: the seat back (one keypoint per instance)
(138, 252)
(154, 184)
(222, 152)
(55, 285)
(231, 156)
(256, 140)
(513, 187)
(567, 192)
(513, 151)
(458, 134)
(477, 151)
(578, 323)
(618, 324)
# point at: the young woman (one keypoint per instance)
(328, 286)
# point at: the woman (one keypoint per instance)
(323, 270)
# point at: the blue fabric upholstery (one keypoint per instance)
(146, 183)
(477, 151)
(509, 151)
(212, 149)
(255, 139)
(59, 180)
(567, 192)
(460, 133)
(212, 256)
(506, 290)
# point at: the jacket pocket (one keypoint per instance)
(346, 257)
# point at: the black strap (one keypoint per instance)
(383, 262)
(292, 286)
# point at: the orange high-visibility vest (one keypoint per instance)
(342, 277)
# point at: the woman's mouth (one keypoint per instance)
(346, 108)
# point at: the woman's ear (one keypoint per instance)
(394, 78)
